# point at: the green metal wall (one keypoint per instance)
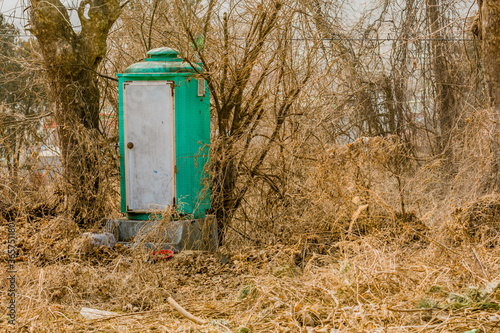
(192, 131)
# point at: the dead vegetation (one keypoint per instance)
(350, 202)
(370, 269)
(480, 220)
(372, 283)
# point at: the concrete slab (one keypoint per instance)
(198, 234)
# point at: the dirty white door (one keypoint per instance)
(149, 145)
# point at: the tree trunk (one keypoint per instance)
(71, 60)
(489, 31)
(224, 177)
(445, 105)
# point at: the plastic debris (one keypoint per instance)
(160, 255)
(98, 240)
(89, 313)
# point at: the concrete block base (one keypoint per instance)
(198, 234)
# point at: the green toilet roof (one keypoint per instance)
(162, 60)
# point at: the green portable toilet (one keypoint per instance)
(164, 120)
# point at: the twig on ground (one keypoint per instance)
(185, 313)
(197, 320)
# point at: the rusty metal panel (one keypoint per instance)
(149, 125)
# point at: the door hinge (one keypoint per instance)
(175, 169)
(173, 87)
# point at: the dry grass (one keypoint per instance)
(339, 256)
(370, 283)
(371, 236)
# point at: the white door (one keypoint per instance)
(149, 145)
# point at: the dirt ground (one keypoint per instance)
(371, 283)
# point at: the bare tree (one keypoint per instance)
(487, 28)
(255, 79)
(442, 67)
(22, 100)
(71, 59)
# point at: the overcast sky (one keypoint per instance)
(13, 12)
